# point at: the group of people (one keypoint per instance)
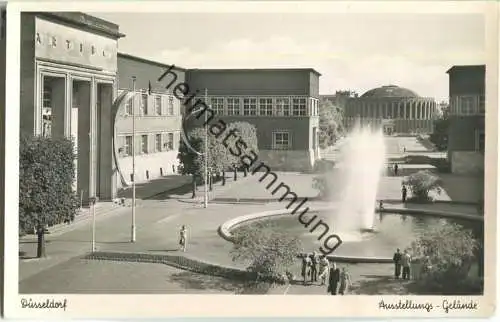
(314, 267)
(406, 267)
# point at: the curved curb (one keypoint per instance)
(225, 229)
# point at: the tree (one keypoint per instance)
(448, 252)
(330, 123)
(269, 251)
(46, 177)
(220, 158)
(439, 136)
(421, 183)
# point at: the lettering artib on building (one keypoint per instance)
(70, 44)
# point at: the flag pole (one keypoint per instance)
(133, 232)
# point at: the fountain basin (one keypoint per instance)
(393, 228)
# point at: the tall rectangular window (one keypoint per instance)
(157, 142)
(282, 107)
(217, 105)
(281, 140)
(266, 106)
(129, 107)
(233, 106)
(170, 141)
(144, 144)
(467, 105)
(128, 145)
(158, 104)
(299, 107)
(482, 104)
(144, 104)
(249, 106)
(170, 111)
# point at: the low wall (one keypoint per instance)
(467, 162)
(288, 160)
(226, 228)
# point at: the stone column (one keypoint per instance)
(106, 178)
(83, 101)
(58, 107)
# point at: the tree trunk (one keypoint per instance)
(40, 251)
(235, 174)
(245, 171)
(194, 187)
(210, 179)
(223, 177)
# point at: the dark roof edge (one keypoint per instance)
(253, 69)
(147, 61)
(455, 67)
(84, 20)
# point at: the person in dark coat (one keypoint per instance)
(395, 169)
(333, 279)
(314, 267)
(306, 263)
(397, 263)
(403, 193)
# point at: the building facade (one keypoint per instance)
(466, 133)
(395, 109)
(281, 103)
(158, 120)
(68, 81)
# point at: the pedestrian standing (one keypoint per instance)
(405, 262)
(395, 169)
(183, 238)
(305, 271)
(324, 266)
(345, 281)
(333, 279)
(403, 193)
(314, 267)
(397, 263)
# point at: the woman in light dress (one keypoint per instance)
(324, 266)
(345, 281)
(183, 238)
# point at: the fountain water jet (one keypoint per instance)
(355, 181)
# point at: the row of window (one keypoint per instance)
(420, 111)
(156, 108)
(467, 105)
(162, 142)
(252, 106)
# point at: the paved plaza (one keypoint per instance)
(159, 217)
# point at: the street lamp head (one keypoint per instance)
(93, 200)
(134, 78)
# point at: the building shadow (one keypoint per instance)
(159, 188)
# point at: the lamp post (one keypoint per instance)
(206, 153)
(133, 236)
(93, 200)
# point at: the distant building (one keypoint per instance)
(466, 133)
(340, 98)
(281, 103)
(396, 109)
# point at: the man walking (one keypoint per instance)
(397, 263)
(406, 261)
(333, 279)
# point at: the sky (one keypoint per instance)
(352, 51)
